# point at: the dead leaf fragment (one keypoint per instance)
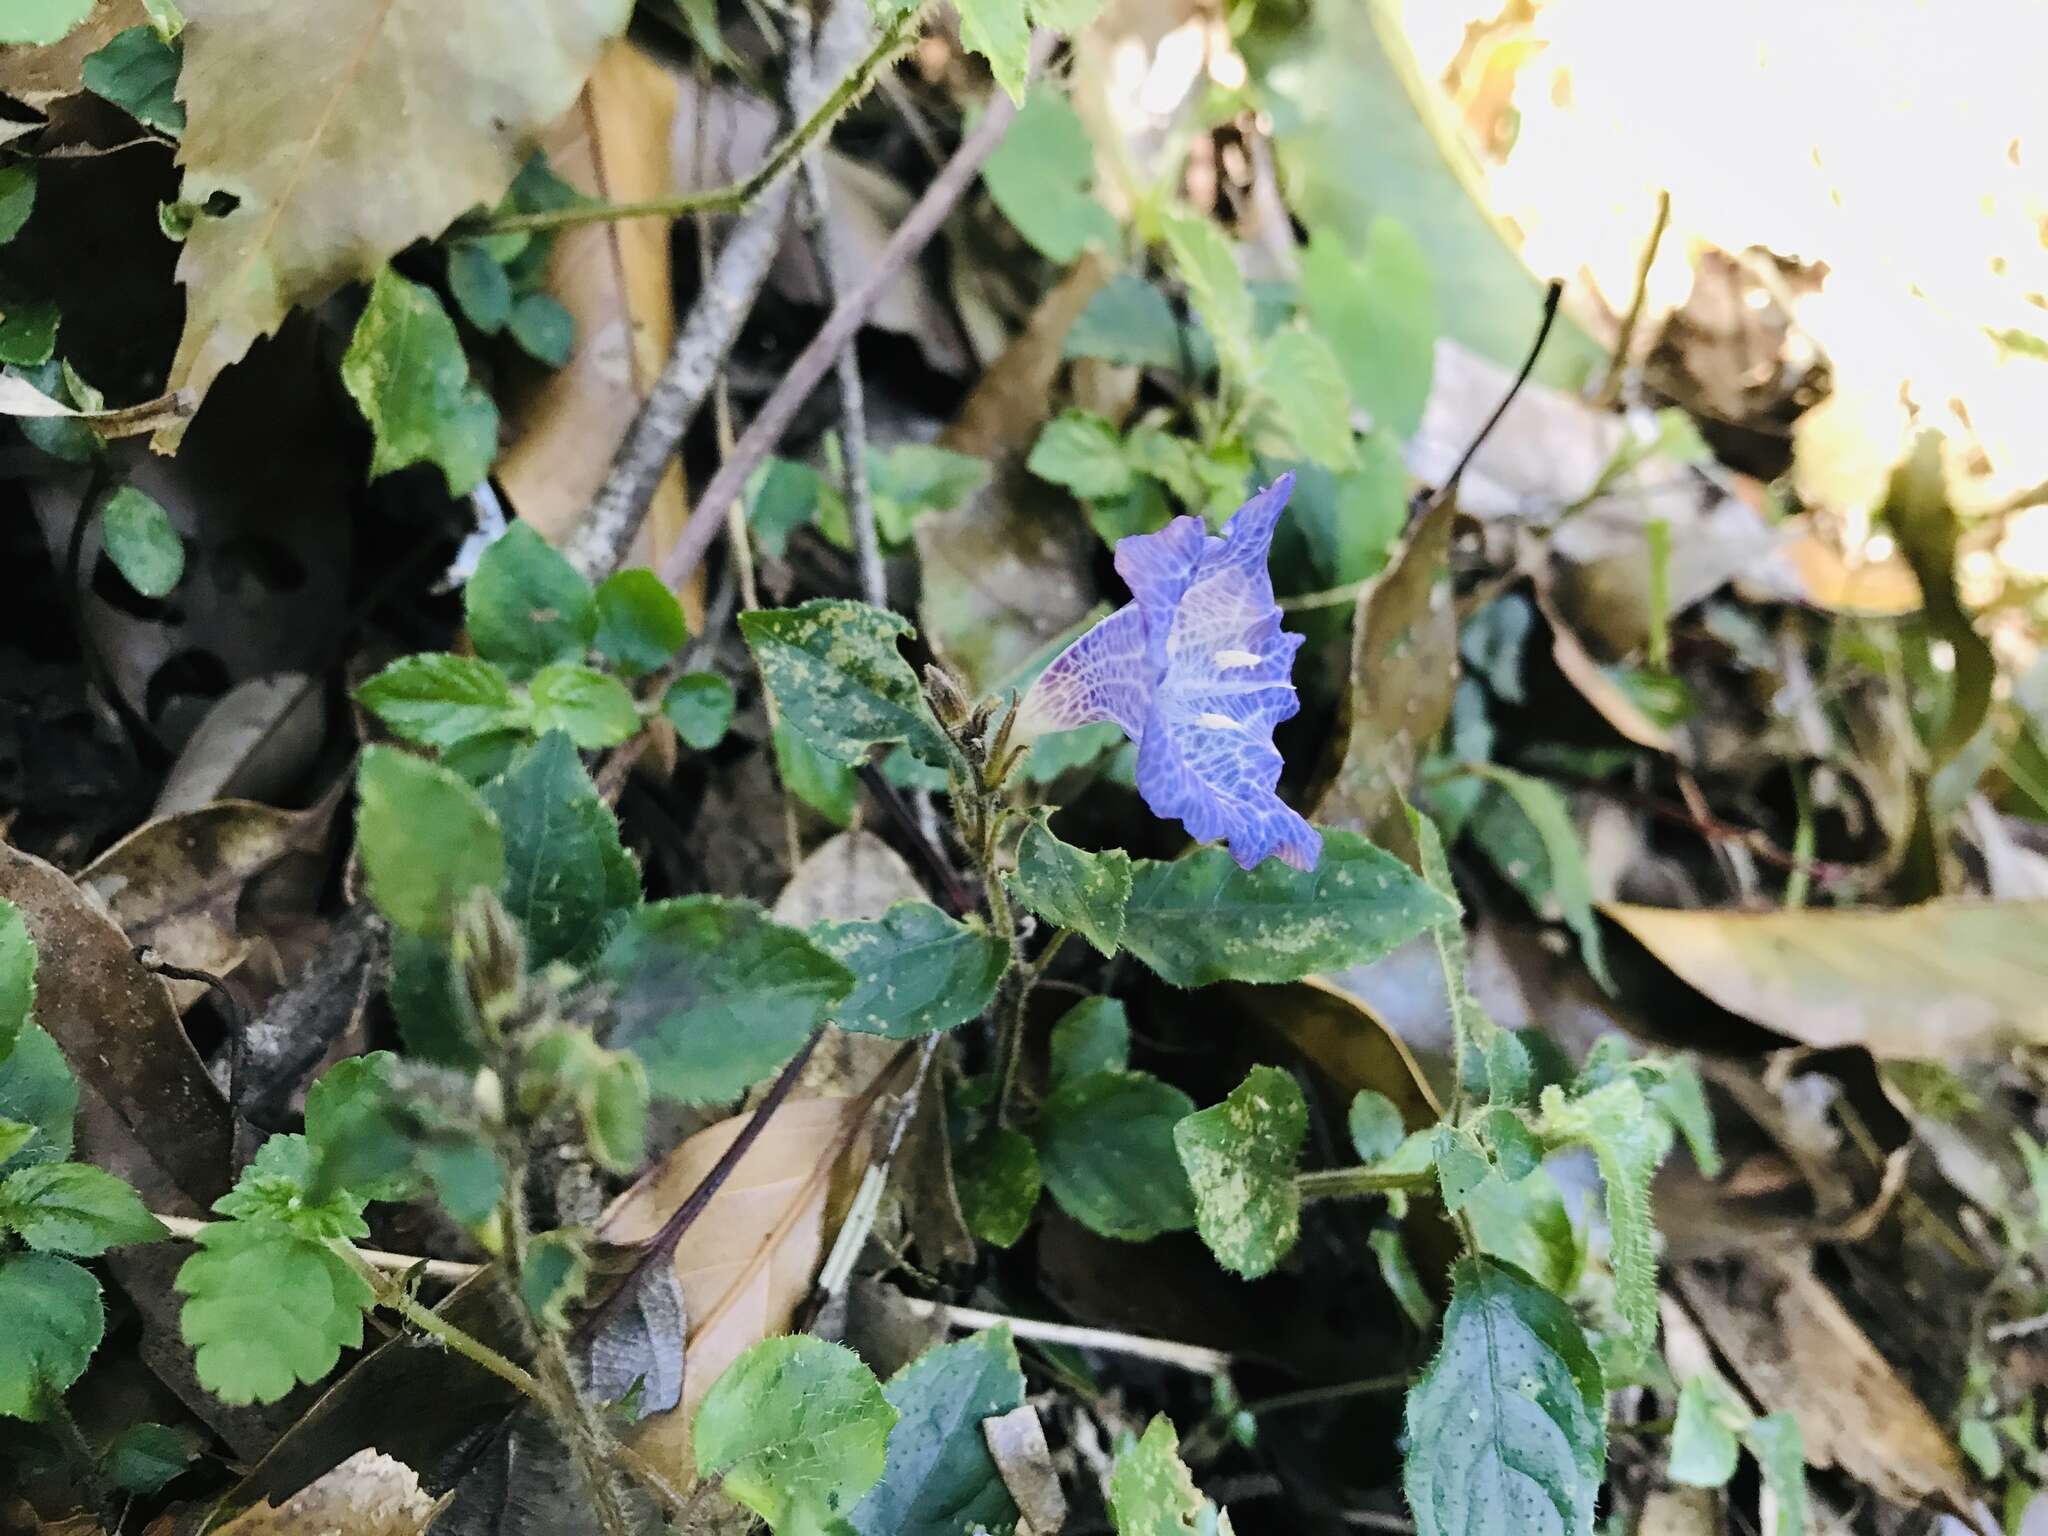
(1945, 980)
(1016, 1443)
(367, 1495)
(1341, 1036)
(259, 737)
(311, 120)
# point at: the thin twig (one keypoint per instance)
(1449, 488)
(1188, 1357)
(795, 388)
(452, 1270)
(959, 897)
(1610, 387)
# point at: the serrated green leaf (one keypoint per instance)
(439, 699)
(700, 706)
(592, 707)
(140, 540)
(527, 605)
(940, 1479)
(1514, 1146)
(556, 1274)
(1509, 1071)
(1072, 887)
(17, 197)
(39, 22)
(1083, 452)
(713, 995)
(1525, 1223)
(640, 625)
(17, 975)
(278, 1188)
(838, 679)
(798, 1429)
(1678, 1094)
(1201, 919)
(1151, 1493)
(74, 1208)
(14, 1135)
(267, 1307)
(916, 970)
(1470, 1026)
(1507, 1429)
(1240, 1158)
(1129, 321)
(1703, 1446)
(1092, 1036)
(138, 72)
(358, 1141)
(144, 1457)
(1461, 1167)
(1375, 1124)
(1558, 873)
(1216, 287)
(37, 1089)
(999, 31)
(426, 839)
(1774, 1440)
(1379, 315)
(477, 281)
(406, 372)
(1309, 408)
(1629, 1140)
(997, 1178)
(1105, 1147)
(50, 1323)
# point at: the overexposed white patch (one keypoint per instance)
(1228, 659)
(1216, 722)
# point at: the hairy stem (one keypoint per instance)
(1345, 1183)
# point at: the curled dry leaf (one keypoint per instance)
(613, 277)
(367, 1495)
(1798, 1352)
(175, 884)
(1016, 1443)
(748, 1261)
(325, 178)
(1586, 674)
(1945, 980)
(1344, 1038)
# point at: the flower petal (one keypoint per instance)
(1157, 567)
(1104, 675)
(1216, 778)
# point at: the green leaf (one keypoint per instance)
(1628, 1140)
(1369, 511)
(1461, 1167)
(1206, 263)
(825, 784)
(913, 479)
(1774, 1440)
(480, 288)
(1471, 1027)
(14, 1135)
(566, 872)
(1064, 16)
(1092, 1036)
(615, 1113)
(1240, 1158)
(40, 22)
(28, 339)
(1525, 1223)
(74, 1208)
(17, 197)
(37, 1089)
(999, 31)
(1073, 888)
(358, 1140)
(1398, 1271)
(466, 1175)
(916, 970)
(1040, 177)
(1703, 1447)
(437, 699)
(1376, 1126)
(267, 1307)
(1151, 1493)
(527, 606)
(1129, 321)
(1507, 1429)
(838, 679)
(278, 1188)
(140, 540)
(426, 839)
(556, 1274)
(782, 496)
(545, 331)
(50, 1323)
(699, 705)
(1105, 1145)
(593, 707)
(1309, 406)
(1379, 315)
(144, 1457)
(997, 1178)
(798, 1428)
(1083, 452)
(713, 995)
(1201, 919)
(17, 975)
(138, 72)
(940, 1479)
(406, 372)
(1558, 873)
(640, 625)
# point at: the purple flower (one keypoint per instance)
(1196, 671)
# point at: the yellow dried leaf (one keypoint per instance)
(368, 1495)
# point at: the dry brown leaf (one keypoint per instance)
(35, 77)
(120, 1033)
(1944, 980)
(175, 883)
(251, 745)
(1016, 1443)
(1341, 1036)
(328, 178)
(1875, 589)
(748, 1261)
(367, 1495)
(1404, 669)
(614, 278)
(1798, 1352)
(1595, 686)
